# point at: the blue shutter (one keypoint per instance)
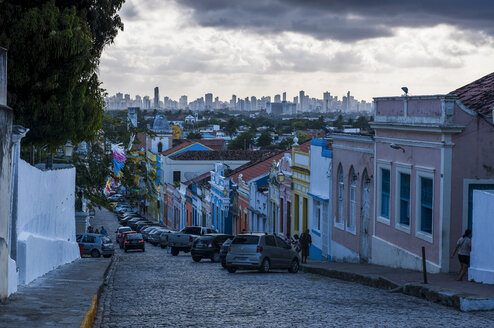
(385, 190)
(426, 194)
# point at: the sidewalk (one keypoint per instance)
(441, 288)
(62, 297)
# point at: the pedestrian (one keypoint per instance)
(463, 246)
(288, 240)
(96, 231)
(296, 243)
(305, 243)
(103, 231)
(90, 229)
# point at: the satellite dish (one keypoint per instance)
(405, 89)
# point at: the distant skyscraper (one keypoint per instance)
(209, 100)
(284, 96)
(301, 99)
(277, 98)
(182, 103)
(295, 100)
(326, 100)
(348, 101)
(138, 101)
(253, 103)
(156, 98)
(233, 102)
(146, 102)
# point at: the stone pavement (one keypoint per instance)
(61, 297)
(441, 288)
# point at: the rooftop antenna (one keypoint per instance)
(405, 89)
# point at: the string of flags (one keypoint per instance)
(119, 158)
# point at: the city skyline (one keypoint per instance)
(227, 47)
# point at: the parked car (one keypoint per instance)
(224, 251)
(129, 222)
(208, 246)
(119, 232)
(164, 238)
(95, 245)
(154, 237)
(182, 241)
(262, 252)
(123, 236)
(127, 216)
(146, 231)
(139, 225)
(133, 241)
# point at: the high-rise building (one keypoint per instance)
(253, 103)
(156, 98)
(182, 102)
(146, 102)
(233, 102)
(138, 101)
(284, 96)
(326, 96)
(277, 98)
(301, 99)
(209, 101)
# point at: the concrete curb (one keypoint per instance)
(462, 302)
(88, 320)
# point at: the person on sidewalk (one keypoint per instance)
(463, 246)
(103, 231)
(305, 243)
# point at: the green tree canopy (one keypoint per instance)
(194, 135)
(54, 49)
(243, 142)
(264, 139)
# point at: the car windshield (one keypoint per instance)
(205, 240)
(192, 230)
(135, 236)
(246, 240)
(106, 240)
(123, 229)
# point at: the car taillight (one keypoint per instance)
(142, 240)
(259, 249)
(191, 239)
(229, 249)
(210, 245)
(126, 242)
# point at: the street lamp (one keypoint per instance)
(281, 177)
(68, 149)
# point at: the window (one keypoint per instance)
(353, 201)
(341, 187)
(160, 147)
(89, 239)
(404, 199)
(176, 176)
(426, 194)
(385, 190)
(317, 215)
(269, 241)
(281, 243)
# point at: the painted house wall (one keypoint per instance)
(258, 209)
(472, 163)
(351, 151)
(319, 193)
(301, 184)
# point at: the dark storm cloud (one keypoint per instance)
(343, 20)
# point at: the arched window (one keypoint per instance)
(341, 189)
(160, 147)
(353, 200)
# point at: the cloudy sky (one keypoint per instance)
(265, 47)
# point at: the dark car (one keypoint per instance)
(133, 241)
(224, 251)
(119, 232)
(95, 245)
(208, 246)
(139, 225)
(154, 237)
(123, 236)
(131, 221)
(134, 223)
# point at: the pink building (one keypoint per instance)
(352, 197)
(431, 152)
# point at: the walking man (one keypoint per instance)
(306, 242)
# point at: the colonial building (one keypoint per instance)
(301, 183)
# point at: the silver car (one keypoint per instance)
(262, 252)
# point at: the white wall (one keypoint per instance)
(481, 257)
(45, 220)
(190, 169)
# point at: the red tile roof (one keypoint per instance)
(478, 95)
(305, 147)
(139, 142)
(254, 169)
(231, 155)
(215, 144)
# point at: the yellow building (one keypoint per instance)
(301, 184)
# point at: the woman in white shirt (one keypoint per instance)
(464, 246)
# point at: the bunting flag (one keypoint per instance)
(107, 187)
(119, 158)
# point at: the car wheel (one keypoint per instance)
(231, 269)
(125, 250)
(215, 257)
(174, 251)
(95, 253)
(223, 264)
(107, 255)
(265, 266)
(162, 246)
(143, 249)
(197, 258)
(294, 266)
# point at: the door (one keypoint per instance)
(284, 254)
(364, 223)
(270, 250)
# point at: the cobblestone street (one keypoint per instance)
(155, 289)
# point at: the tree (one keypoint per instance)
(243, 142)
(339, 122)
(231, 126)
(264, 139)
(194, 135)
(54, 50)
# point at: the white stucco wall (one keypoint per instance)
(481, 259)
(45, 220)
